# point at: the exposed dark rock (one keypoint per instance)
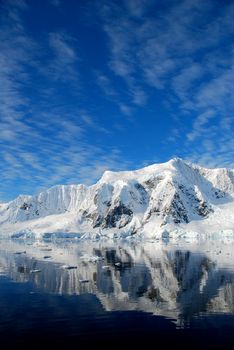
(25, 206)
(219, 194)
(94, 217)
(119, 217)
(152, 183)
(95, 199)
(152, 211)
(176, 210)
(134, 231)
(154, 295)
(143, 193)
(204, 209)
(97, 221)
(23, 269)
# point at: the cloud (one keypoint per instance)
(137, 96)
(63, 64)
(43, 141)
(137, 8)
(199, 125)
(55, 3)
(186, 78)
(64, 53)
(125, 109)
(218, 92)
(122, 42)
(105, 84)
(184, 50)
(90, 122)
(15, 53)
(166, 43)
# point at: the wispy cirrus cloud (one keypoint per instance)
(133, 93)
(137, 8)
(43, 141)
(200, 124)
(55, 3)
(61, 67)
(105, 84)
(184, 50)
(122, 42)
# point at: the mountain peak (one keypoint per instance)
(176, 160)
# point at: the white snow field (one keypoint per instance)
(173, 200)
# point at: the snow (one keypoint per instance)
(176, 199)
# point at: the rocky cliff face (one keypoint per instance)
(174, 192)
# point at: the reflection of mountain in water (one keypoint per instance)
(167, 281)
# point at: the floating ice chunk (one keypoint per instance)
(91, 258)
(35, 271)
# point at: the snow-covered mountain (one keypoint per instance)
(155, 201)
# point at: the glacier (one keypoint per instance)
(176, 199)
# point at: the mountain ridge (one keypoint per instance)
(165, 195)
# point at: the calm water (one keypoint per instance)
(105, 294)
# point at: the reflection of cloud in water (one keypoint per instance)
(178, 282)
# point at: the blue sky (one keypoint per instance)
(90, 85)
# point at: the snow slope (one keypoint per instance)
(161, 200)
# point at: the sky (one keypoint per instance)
(88, 86)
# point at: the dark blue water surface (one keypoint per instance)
(107, 294)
